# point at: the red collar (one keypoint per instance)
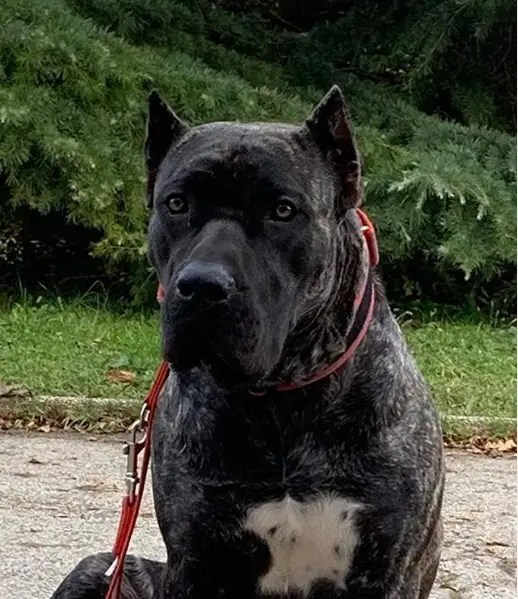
(364, 304)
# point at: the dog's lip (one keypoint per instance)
(225, 369)
(188, 312)
(228, 371)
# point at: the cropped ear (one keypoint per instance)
(164, 128)
(330, 127)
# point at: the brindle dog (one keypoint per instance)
(332, 490)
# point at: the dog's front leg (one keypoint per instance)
(409, 583)
(88, 579)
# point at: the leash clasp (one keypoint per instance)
(132, 449)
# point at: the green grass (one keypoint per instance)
(67, 348)
(471, 367)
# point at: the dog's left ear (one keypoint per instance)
(330, 127)
(164, 128)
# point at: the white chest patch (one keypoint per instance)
(308, 541)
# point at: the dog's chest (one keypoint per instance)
(308, 541)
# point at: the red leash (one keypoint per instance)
(136, 477)
(134, 481)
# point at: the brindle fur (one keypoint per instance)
(369, 432)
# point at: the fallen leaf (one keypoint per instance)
(493, 447)
(499, 446)
(121, 376)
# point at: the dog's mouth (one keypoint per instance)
(228, 371)
(222, 349)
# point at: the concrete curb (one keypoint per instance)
(41, 401)
(81, 399)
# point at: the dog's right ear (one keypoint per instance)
(331, 128)
(164, 128)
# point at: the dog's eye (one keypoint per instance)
(283, 211)
(176, 205)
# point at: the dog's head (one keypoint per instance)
(254, 238)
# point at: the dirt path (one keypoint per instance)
(60, 496)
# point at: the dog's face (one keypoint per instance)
(245, 231)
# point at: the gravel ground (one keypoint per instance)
(60, 498)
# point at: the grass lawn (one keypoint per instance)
(68, 349)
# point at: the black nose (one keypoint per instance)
(204, 282)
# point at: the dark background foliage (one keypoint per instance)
(431, 86)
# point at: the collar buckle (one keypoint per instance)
(369, 234)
